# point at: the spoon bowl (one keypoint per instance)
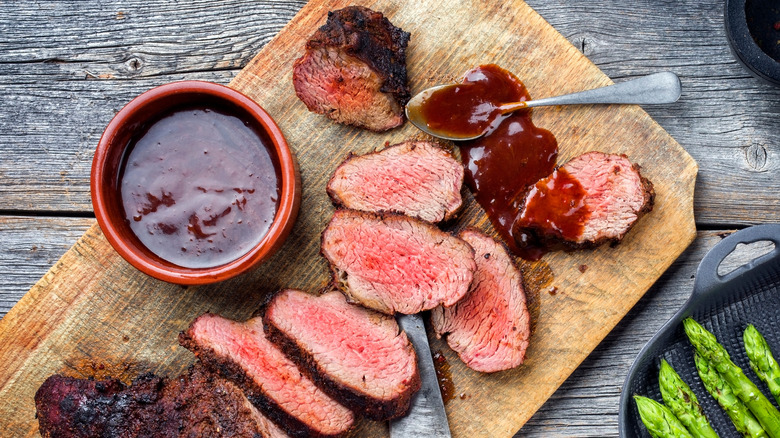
(658, 88)
(415, 115)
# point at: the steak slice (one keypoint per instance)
(240, 352)
(195, 404)
(490, 327)
(593, 199)
(354, 70)
(415, 178)
(358, 356)
(395, 263)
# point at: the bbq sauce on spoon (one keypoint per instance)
(467, 109)
(513, 155)
(199, 186)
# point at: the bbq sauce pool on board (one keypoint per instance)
(510, 158)
(199, 186)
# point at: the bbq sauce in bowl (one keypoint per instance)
(513, 155)
(199, 187)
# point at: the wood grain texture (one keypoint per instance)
(66, 67)
(586, 405)
(93, 306)
(29, 247)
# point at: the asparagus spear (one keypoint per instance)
(709, 348)
(762, 361)
(677, 395)
(740, 415)
(659, 420)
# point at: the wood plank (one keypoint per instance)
(66, 68)
(56, 110)
(93, 306)
(586, 405)
(725, 118)
(29, 246)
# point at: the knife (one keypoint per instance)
(426, 416)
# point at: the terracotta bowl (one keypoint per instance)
(130, 121)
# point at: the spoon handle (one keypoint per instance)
(651, 89)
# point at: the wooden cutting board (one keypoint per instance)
(93, 314)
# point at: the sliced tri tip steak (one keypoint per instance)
(354, 70)
(593, 199)
(241, 353)
(415, 178)
(490, 327)
(358, 356)
(395, 263)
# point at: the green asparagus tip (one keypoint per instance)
(658, 419)
(702, 340)
(693, 328)
(705, 344)
(762, 361)
(683, 403)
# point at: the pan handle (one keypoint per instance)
(707, 277)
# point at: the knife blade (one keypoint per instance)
(426, 416)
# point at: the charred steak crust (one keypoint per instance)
(196, 403)
(60, 409)
(354, 70)
(417, 178)
(234, 373)
(341, 276)
(369, 36)
(351, 397)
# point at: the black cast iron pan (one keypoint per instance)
(725, 305)
(754, 39)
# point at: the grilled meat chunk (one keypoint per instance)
(395, 263)
(358, 356)
(195, 404)
(415, 178)
(241, 353)
(490, 327)
(593, 199)
(354, 70)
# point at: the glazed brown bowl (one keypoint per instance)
(130, 122)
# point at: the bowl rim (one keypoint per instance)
(744, 48)
(289, 198)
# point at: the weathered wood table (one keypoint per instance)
(67, 67)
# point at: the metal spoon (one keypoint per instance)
(656, 88)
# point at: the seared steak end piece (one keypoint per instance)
(354, 70)
(194, 404)
(490, 327)
(358, 356)
(415, 178)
